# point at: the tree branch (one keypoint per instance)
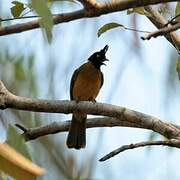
(160, 22)
(161, 32)
(170, 143)
(99, 10)
(56, 127)
(8, 100)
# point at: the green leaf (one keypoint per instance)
(178, 66)
(46, 22)
(17, 141)
(31, 76)
(108, 27)
(19, 69)
(177, 11)
(17, 9)
(139, 10)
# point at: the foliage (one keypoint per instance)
(177, 10)
(46, 20)
(16, 165)
(178, 66)
(113, 25)
(108, 27)
(17, 9)
(42, 8)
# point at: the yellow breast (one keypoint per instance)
(87, 83)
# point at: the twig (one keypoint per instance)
(18, 18)
(21, 127)
(136, 30)
(161, 32)
(171, 143)
(159, 22)
(22, 17)
(129, 29)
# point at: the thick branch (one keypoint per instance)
(170, 143)
(162, 31)
(123, 114)
(101, 9)
(160, 22)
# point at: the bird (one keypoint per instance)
(85, 85)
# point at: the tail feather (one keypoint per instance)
(77, 133)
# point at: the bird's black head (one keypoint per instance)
(99, 57)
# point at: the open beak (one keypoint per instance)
(104, 50)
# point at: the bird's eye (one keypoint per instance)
(98, 56)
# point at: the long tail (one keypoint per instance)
(77, 132)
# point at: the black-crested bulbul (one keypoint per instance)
(86, 82)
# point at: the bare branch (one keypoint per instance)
(8, 100)
(162, 31)
(57, 127)
(160, 22)
(101, 9)
(170, 143)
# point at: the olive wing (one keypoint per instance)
(73, 79)
(102, 79)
